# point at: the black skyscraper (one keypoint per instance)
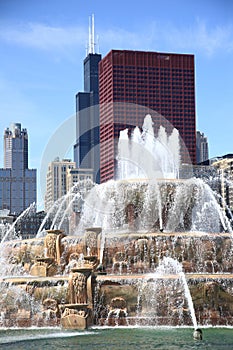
(86, 149)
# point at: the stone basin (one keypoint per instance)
(130, 260)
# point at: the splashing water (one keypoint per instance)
(142, 205)
(171, 266)
(60, 209)
(144, 156)
(24, 213)
(148, 185)
(169, 272)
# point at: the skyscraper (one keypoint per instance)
(133, 83)
(202, 147)
(86, 149)
(17, 182)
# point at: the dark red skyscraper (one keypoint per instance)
(133, 83)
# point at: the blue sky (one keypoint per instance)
(43, 44)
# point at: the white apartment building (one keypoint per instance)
(56, 180)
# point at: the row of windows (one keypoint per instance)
(145, 68)
(171, 88)
(151, 80)
(185, 99)
(165, 94)
(154, 77)
(107, 169)
(157, 76)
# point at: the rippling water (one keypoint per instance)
(116, 339)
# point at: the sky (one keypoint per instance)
(43, 44)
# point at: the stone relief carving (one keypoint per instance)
(78, 290)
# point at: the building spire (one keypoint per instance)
(91, 41)
(89, 36)
(93, 34)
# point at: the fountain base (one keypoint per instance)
(120, 293)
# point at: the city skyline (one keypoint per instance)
(43, 48)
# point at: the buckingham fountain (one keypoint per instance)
(151, 249)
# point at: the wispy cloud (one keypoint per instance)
(44, 37)
(166, 36)
(153, 36)
(200, 37)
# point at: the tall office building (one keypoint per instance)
(56, 180)
(86, 149)
(17, 182)
(134, 83)
(202, 147)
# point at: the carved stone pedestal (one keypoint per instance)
(44, 267)
(75, 316)
(78, 313)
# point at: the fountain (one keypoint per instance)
(149, 250)
(144, 155)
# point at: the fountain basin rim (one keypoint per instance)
(105, 278)
(65, 278)
(134, 234)
(141, 234)
(33, 279)
(150, 276)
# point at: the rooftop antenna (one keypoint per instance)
(93, 34)
(89, 36)
(91, 41)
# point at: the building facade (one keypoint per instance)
(17, 181)
(65, 180)
(202, 148)
(86, 149)
(56, 180)
(134, 83)
(77, 175)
